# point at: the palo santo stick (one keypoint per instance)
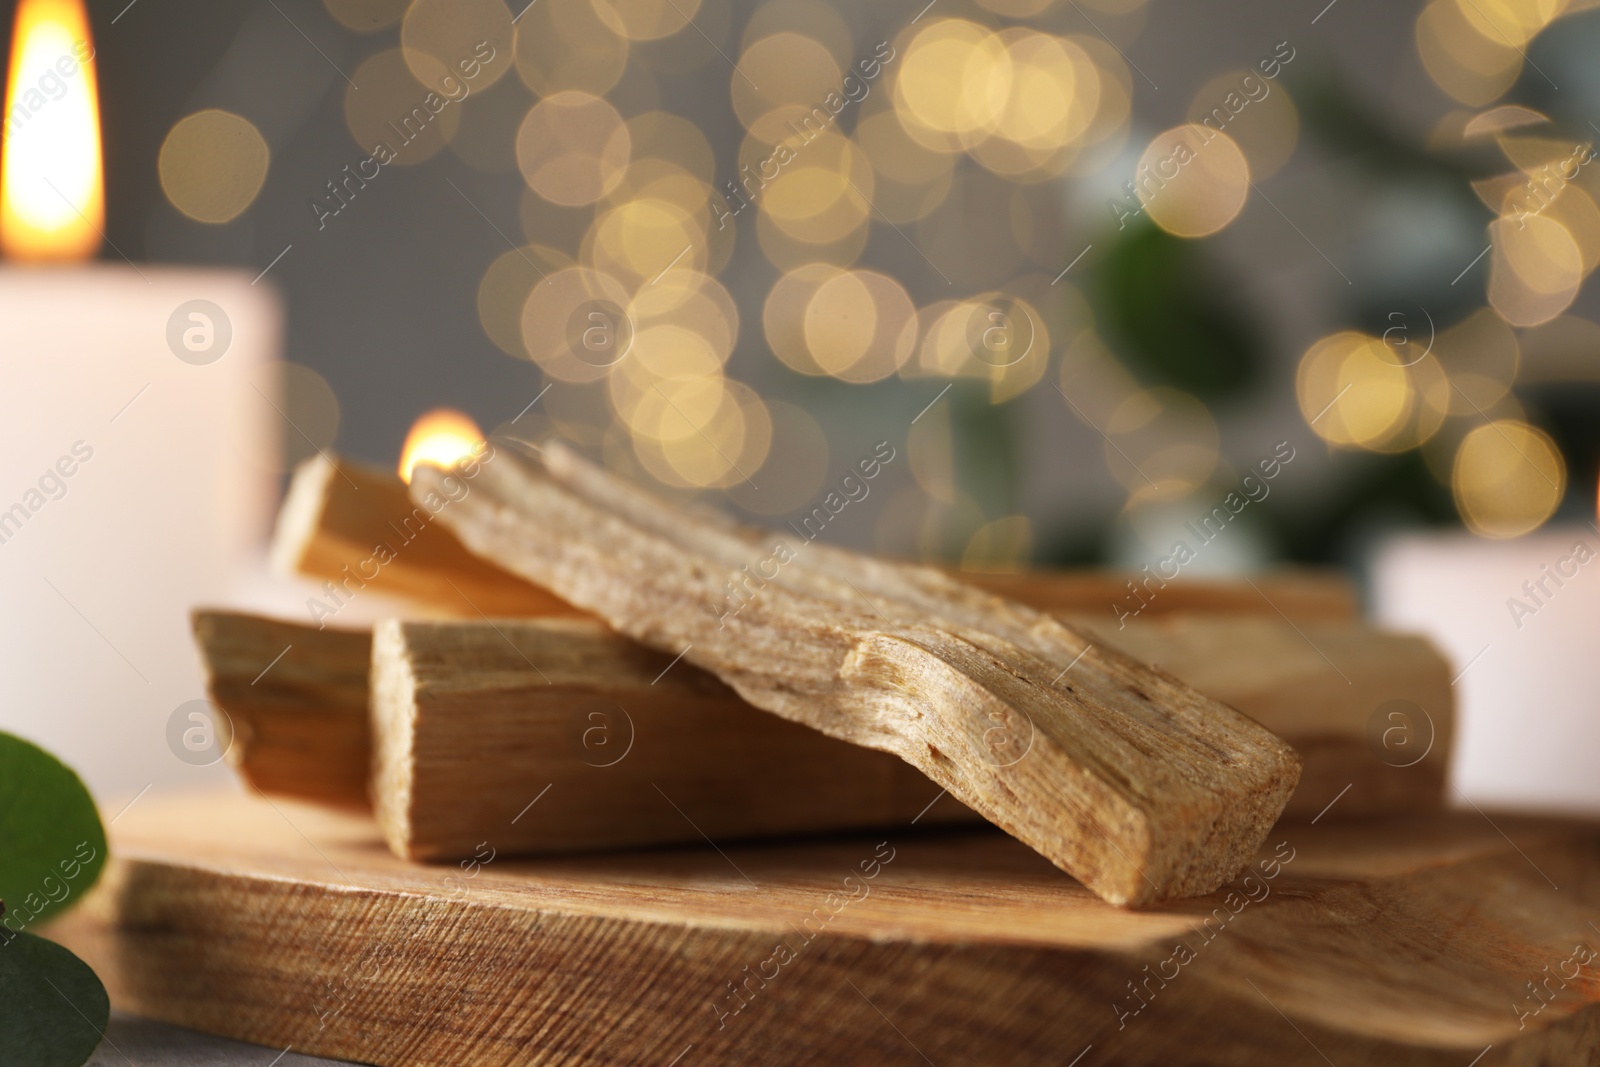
(354, 527)
(473, 718)
(297, 699)
(301, 728)
(1142, 788)
(1371, 713)
(338, 512)
(474, 722)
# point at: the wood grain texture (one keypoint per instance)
(338, 511)
(301, 721)
(1139, 786)
(1413, 941)
(296, 699)
(1372, 713)
(354, 527)
(474, 722)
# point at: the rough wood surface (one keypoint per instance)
(1420, 941)
(338, 511)
(1372, 713)
(1138, 785)
(353, 526)
(610, 741)
(296, 698)
(301, 722)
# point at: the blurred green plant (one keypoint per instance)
(53, 1009)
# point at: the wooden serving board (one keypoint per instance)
(1407, 941)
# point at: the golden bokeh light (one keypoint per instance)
(1509, 22)
(693, 301)
(575, 324)
(1054, 92)
(787, 252)
(646, 20)
(818, 19)
(660, 135)
(1508, 478)
(799, 79)
(821, 196)
(1256, 112)
(640, 240)
(954, 82)
(859, 326)
(567, 47)
(1192, 180)
(439, 438)
(390, 116)
(783, 315)
(1502, 119)
(700, 446)
(448, 43)
(1535, 269)
(1464, 63)
(212, 165)
(573, 148)
(1352, 391)
(505, 288)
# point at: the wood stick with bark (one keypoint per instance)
(1139, 786)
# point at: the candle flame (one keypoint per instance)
(440, 438)
(52, 194)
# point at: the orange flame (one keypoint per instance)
(52, 193)
(440, 438)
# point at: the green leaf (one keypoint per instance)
(53, 1010)
(52, 845)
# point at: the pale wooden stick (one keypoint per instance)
(559, 736)
(302, 723)
(353, 527)
(297, 700)
(469, 716)
(1139, 786)
(337, 512)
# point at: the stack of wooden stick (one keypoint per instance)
(652, 675)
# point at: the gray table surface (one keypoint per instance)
(141, 1043)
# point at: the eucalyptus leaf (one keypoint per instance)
(52, 846)
(53, 1010)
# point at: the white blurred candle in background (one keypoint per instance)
(137, 433)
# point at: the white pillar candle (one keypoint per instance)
(138, 423)
(1518, 619)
